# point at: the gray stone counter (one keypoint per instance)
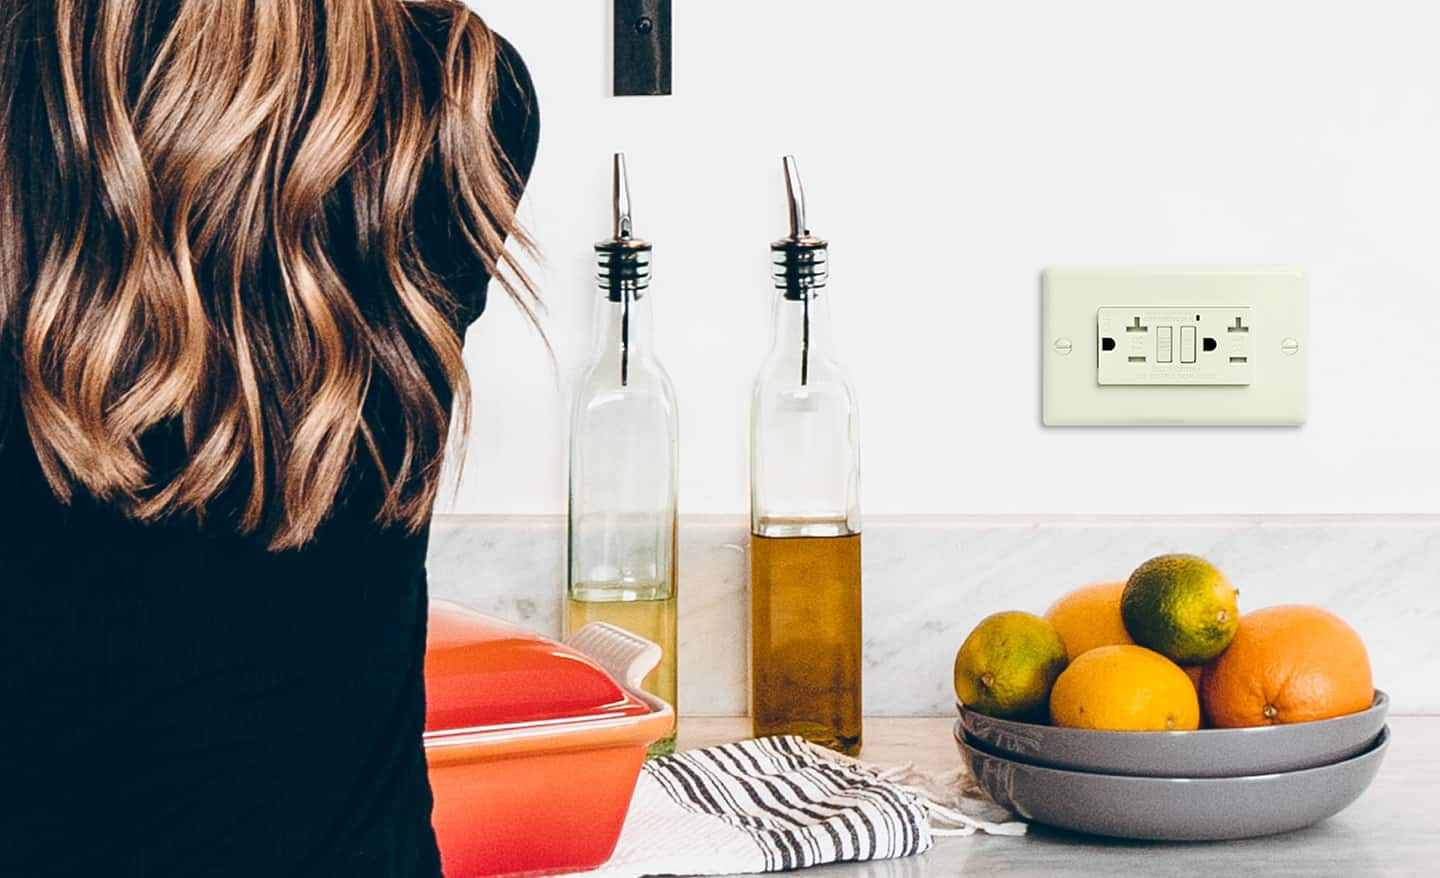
(1393, 830)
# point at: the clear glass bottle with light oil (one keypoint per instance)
(805, 629)
(623, 463)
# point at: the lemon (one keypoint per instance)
(1005, 668)
(1127, 689)
(1182, 607)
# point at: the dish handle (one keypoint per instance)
(625, 656)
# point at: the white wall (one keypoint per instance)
(951, 150)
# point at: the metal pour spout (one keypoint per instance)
(622, 226)
(799, 262)
(622, 261)
(795, 195)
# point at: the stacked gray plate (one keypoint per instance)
(1201, 785)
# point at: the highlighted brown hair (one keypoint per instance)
(188, 193)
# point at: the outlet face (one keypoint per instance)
(1175, 346)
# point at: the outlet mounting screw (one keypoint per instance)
(1289, 347)
(1063, 347)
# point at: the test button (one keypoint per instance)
(1165, 345)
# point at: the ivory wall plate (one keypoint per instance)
(1175, 346)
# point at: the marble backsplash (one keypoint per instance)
(928, 580)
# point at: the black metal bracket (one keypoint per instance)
(642, 47)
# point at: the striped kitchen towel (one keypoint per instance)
(774, 804)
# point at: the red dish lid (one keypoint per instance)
(481, 672)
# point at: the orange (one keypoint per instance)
(1196, 673)
(1125, 688)
(1089, 617)
(1288, 664)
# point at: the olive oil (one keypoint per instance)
(805, 643)
(806, 638)
(644, 609)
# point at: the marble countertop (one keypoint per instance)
(1394, 829)
(929, 579)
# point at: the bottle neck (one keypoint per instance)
(624, 330)
(801, 325)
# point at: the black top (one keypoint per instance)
(177, 701)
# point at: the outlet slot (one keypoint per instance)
(1107, 344)
(1209, 344)
(1137, 326)
(1136, 359)
(1239, 360)
(1238, 326)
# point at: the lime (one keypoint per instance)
(1007, 666)
(1181, 607)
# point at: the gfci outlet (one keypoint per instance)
(1175, 346)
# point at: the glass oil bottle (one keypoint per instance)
(623, 463)
(805, 630)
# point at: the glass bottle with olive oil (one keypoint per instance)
(805, 634)
(623, 463)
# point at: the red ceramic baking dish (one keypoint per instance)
(534, 747)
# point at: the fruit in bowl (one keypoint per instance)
(1166, 650)
(1182, 607)
(1288, 664)
(1125, 688)
(1295, 729)
(1008, 665)
(1089, 617)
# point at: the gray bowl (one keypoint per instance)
(1201, 753)
(1172, 809)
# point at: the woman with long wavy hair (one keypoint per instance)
(240, 242)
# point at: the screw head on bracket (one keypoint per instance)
(1289, 347)
(1063, 347)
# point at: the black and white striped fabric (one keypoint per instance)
(800, 806)
(765, 805)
